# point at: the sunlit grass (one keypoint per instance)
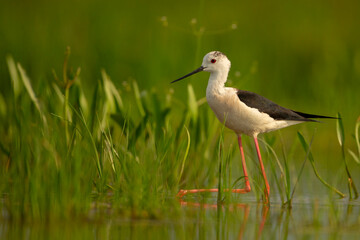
(103, 152)
(341, 137)
(121, 149)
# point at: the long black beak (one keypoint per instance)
(188, 75)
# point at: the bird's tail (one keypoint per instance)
(306, 115)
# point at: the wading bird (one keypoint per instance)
(243, 112)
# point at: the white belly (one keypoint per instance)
(239, 117)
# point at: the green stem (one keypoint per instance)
(325, 183)
(306, 148)
(67, 87)
(350, 181)
(186, 154)
(341, 138)
(66, 102)
(220, 173)
(82, 118)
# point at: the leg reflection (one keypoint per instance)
(231, 207)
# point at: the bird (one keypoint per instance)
(244, 112)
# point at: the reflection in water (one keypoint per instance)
(223, 208)
(249, 219)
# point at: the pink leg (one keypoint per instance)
(241, 190)
(267, 190)
(247, 183)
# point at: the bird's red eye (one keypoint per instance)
(213, 60)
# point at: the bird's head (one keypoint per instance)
(214, 61)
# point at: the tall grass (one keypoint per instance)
(353, 193)
(65, 153)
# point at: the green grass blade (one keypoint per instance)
(83, 121)
(302, 167)
(138, 99)
(58, 93)
(81, 98)
(220, 157)
(305, 146)
(186, 153)
(3, 108)
(219, 197)
(275, 156)
(15, 80)
(356, 158)
(95, 102)
(311, 158)
(66, 116)
(357, 129)
(340, 133)
(192, 103)
(341, 137)
(139, 130)
(353, 155)
(282, 173)
(29, 89)
(288, 180)
(112, 95)
(110, 150)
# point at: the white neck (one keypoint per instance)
(217, 82)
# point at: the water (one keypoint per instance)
(307, 219)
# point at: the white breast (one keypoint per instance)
(237, 116)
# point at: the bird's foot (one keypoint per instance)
(181, 193)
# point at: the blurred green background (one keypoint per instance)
(304, 54)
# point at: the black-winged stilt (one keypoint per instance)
(243, 112)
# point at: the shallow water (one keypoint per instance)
(307, 219)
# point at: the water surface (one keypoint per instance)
(249, 219)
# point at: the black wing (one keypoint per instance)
(275, 111)
(306, 115)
